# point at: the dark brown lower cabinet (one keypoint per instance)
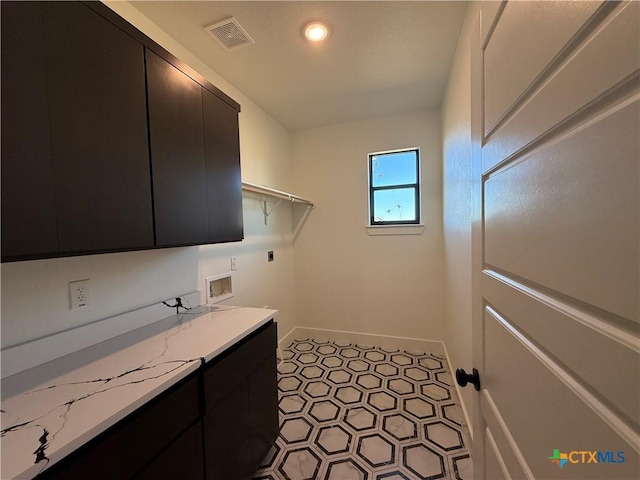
(181, 460)
(241, 407)
(227, 437)
(217, 424)
(263, 402)
(131, 444)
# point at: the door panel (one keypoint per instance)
(566, 216)
(560, 98)
(522, 45)
(556, 243)
(506, 452)
(523, 379)
(578, 340)
(490, 10)
(496, 469)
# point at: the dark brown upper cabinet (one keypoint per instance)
(75, 161)
(177, 155)
(195, 158)
(109, 143)
(222, 156)
(98, 122)
(28, 202)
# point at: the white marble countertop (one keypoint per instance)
(51, 410)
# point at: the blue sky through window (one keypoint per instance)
(394, 169)
(394, 205)
(389, 170)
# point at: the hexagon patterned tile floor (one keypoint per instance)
(355, 412)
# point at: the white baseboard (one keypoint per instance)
(468, 428)
(385, 341)
(286, 341)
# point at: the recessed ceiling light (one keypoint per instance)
(316, 31)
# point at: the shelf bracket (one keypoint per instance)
(272, 192)
(266, 211)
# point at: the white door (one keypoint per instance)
(556, 95)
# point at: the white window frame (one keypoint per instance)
(415, 227)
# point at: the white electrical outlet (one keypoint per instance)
(79, 294)
(234, 263)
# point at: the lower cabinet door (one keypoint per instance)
(227, 437)
(263, 409)
(182, 460)
(125, 449)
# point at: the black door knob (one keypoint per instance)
(463, 378)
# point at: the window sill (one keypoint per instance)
(374, 230)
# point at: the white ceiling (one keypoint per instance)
(382, 57)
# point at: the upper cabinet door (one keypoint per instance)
(224, 183)
(106, 146)
(95, 77)
(28, 204)
(177, 155)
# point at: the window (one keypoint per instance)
(394, 187)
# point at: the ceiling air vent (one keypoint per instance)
(229, 33)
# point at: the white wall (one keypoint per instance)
(350, 281)
(457, 205)
(35, 293)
